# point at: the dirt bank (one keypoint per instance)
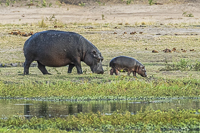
(102, 13)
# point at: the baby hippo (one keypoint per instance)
(127, 64)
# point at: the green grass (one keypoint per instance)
(110, 45)
(97, 87)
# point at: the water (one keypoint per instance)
(50, 109)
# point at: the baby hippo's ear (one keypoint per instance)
(142, 67)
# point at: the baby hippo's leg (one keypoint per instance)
(129, 72)
(111, 71)
(115, 71)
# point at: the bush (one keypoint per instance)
(197, 66)
(182, 65)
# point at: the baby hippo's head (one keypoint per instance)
(142, 71)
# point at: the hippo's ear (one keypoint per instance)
(143, 68)
(94, 53)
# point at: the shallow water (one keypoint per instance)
(49, 109)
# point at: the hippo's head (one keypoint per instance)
(94, 60)
(142, 71)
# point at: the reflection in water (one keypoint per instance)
(70, 106)
(43, 109)
(26, 111)
(49, 109)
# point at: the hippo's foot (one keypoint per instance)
(25, 73)
(111, 71)
(47, 74)
(80, 72)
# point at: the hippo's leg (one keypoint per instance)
(129, 72)
(78, 67)
(71, 66)
(111, 71)
(27, 64)
(134, 73)
(115, 71)
(42, 68)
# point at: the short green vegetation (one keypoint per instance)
(111, 88)
(183, 65)
(186, 14)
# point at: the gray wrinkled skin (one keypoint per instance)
(127, 64)
(59, 48)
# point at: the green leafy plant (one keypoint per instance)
(99, 3)
(181, 65)
(56, 70)
(81, 4)
(103, 17)
(44, 3)
(42, 23)
(147, 121)
(150, 2)
(197, 66)
(186, 14)
(58, 3)
(128, 2)
(50, 4)
(7, 2)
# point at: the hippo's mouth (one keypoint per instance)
(145, 75)
(100, 72)
(97, 71)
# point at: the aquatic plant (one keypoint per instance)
(150, 120)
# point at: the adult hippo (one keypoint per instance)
(59, 48)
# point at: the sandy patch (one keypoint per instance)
(134, 13)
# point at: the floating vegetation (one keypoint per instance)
(150, 120)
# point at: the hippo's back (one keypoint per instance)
(55, 48)
(123, 61)
(50, 38)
